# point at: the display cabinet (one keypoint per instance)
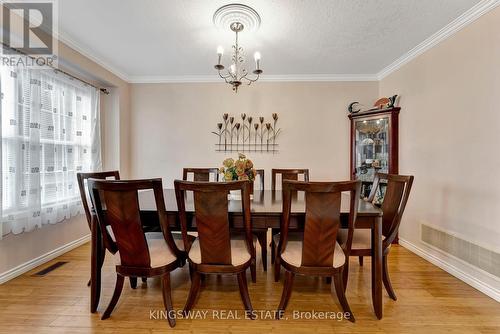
(374, 146)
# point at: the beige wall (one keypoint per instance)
(449, 135)
(173, 124)
(18, 250)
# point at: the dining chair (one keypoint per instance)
(82, 178)
(200, 174)
(136, 253)
(315, 251)
(397, 191)
(215, 250)
(286, 174)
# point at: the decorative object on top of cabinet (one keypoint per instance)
(354, 107)
(385, 102)
(374, 145)
(392, 101)
(382, 103)
(247, 136)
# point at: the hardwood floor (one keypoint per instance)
(429, 301)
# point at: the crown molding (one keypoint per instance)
(481, 8)
(75, 46)
(265, 78)
(320, 77)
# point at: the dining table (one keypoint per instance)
(266, 209)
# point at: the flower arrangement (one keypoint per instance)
(241, 169)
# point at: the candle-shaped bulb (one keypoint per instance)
(220, 52)
(256, 56)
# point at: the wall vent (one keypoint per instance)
(464, 250)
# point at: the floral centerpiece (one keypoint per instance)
(241, 169)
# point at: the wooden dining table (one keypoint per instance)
(266, 207)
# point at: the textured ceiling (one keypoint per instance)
(176, 38)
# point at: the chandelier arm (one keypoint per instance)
(224, 76)
(250, 81)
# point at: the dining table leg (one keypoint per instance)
(376, 237)
(95, 267)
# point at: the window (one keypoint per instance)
(49, 132)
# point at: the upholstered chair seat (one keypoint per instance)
(293, 252)
(159, 252)
(361, 238)
(239, 251)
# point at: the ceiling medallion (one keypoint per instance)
(237, 17)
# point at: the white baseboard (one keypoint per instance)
(27, 266)
(473, 281)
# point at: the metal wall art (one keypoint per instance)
(247, 135)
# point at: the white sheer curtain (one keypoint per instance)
(49, 131)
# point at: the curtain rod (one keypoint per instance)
(102, 90)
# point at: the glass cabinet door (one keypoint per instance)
(371, 147)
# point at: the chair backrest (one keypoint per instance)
(288, 174)
(397, 191)
(82, 177)
(200, 174)
(212, 219)
(117, 205)
(260, 173)
(322, 219)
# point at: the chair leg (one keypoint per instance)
(133, 282)
(277, 269)
(253, 271)
(386, 279)
(245, 297)
(273, 251)
(193, 291)
(144, 279)
(273, 245)
(287, 292)
(167, 299)
(116, 295)
(339, 290)
(191, 270)
(101, 259)
(360, 261)
(345, 274)
(262, 237)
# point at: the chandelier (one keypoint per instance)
(237, 17)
